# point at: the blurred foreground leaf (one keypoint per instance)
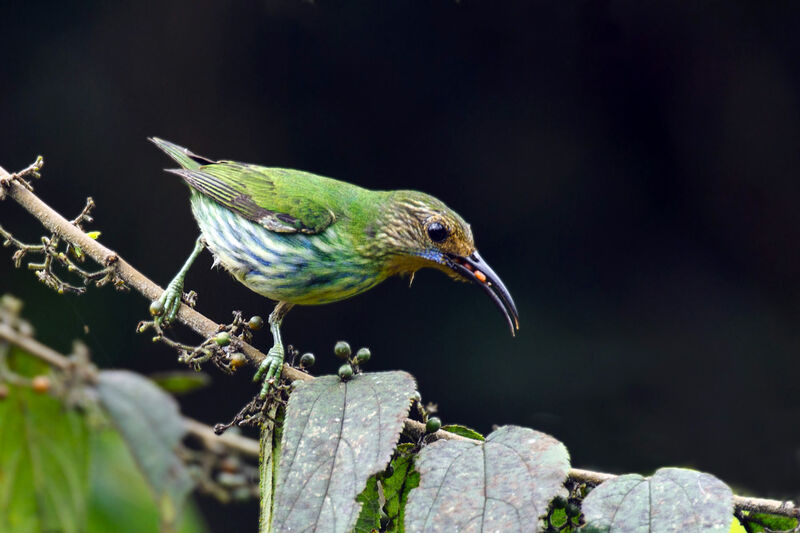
(337, 434)
(150, 422)
(672, 500)
(503, 484)
(120, 499)
(178, 382)
(43, 459)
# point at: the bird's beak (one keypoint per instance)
(473, 268)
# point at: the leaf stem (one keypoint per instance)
(266, 469)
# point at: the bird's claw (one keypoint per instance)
(270, 369)
(167, 305)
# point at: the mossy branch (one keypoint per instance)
(15, 187)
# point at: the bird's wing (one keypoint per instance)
(267, 196)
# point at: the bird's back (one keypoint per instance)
(281, 199)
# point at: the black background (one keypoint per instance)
(631, 171)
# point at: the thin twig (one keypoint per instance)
(206, 327)
(762, 505)
(34, 347)
(234, 441)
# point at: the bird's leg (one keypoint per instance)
(271, 367)
(167, 306)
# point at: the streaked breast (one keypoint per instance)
(292, 267)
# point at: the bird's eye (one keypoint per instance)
(437, 232)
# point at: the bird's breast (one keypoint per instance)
(292, 267)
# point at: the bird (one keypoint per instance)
(302, 239)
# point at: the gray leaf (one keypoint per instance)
(502, 485)
(151, 425)
(673, 500)
(337, 434)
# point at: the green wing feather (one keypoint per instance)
(278, 199)
(181, 155)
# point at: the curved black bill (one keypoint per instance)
(473, 268)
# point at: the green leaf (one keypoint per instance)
(43, 459)
(397, 486)
(672, 500)
(761, 521)
(336, 435)
(180, 382)
(463, 431)
(558, 517)
(737, 527)
(503, 484)
(151, 425)
(370, 517)
(120, 499)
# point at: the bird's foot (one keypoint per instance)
(165, 308)
(269, 371)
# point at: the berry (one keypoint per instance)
(346, 372)
(342, 350)
(363, 355)
(223, 338)
(307, 360)
(156, 308)
(433, 424)
(40, 384)
(237, 360)
(255, 323)
(230, 464)
(231, 479)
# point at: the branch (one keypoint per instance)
(193, 427)
(60, 226)
(21, 192)
(233, 441)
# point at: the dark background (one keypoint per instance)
(631, 171)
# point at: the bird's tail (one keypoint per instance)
(181, 155)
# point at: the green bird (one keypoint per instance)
(303, 239)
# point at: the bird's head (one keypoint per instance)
(423, 232)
